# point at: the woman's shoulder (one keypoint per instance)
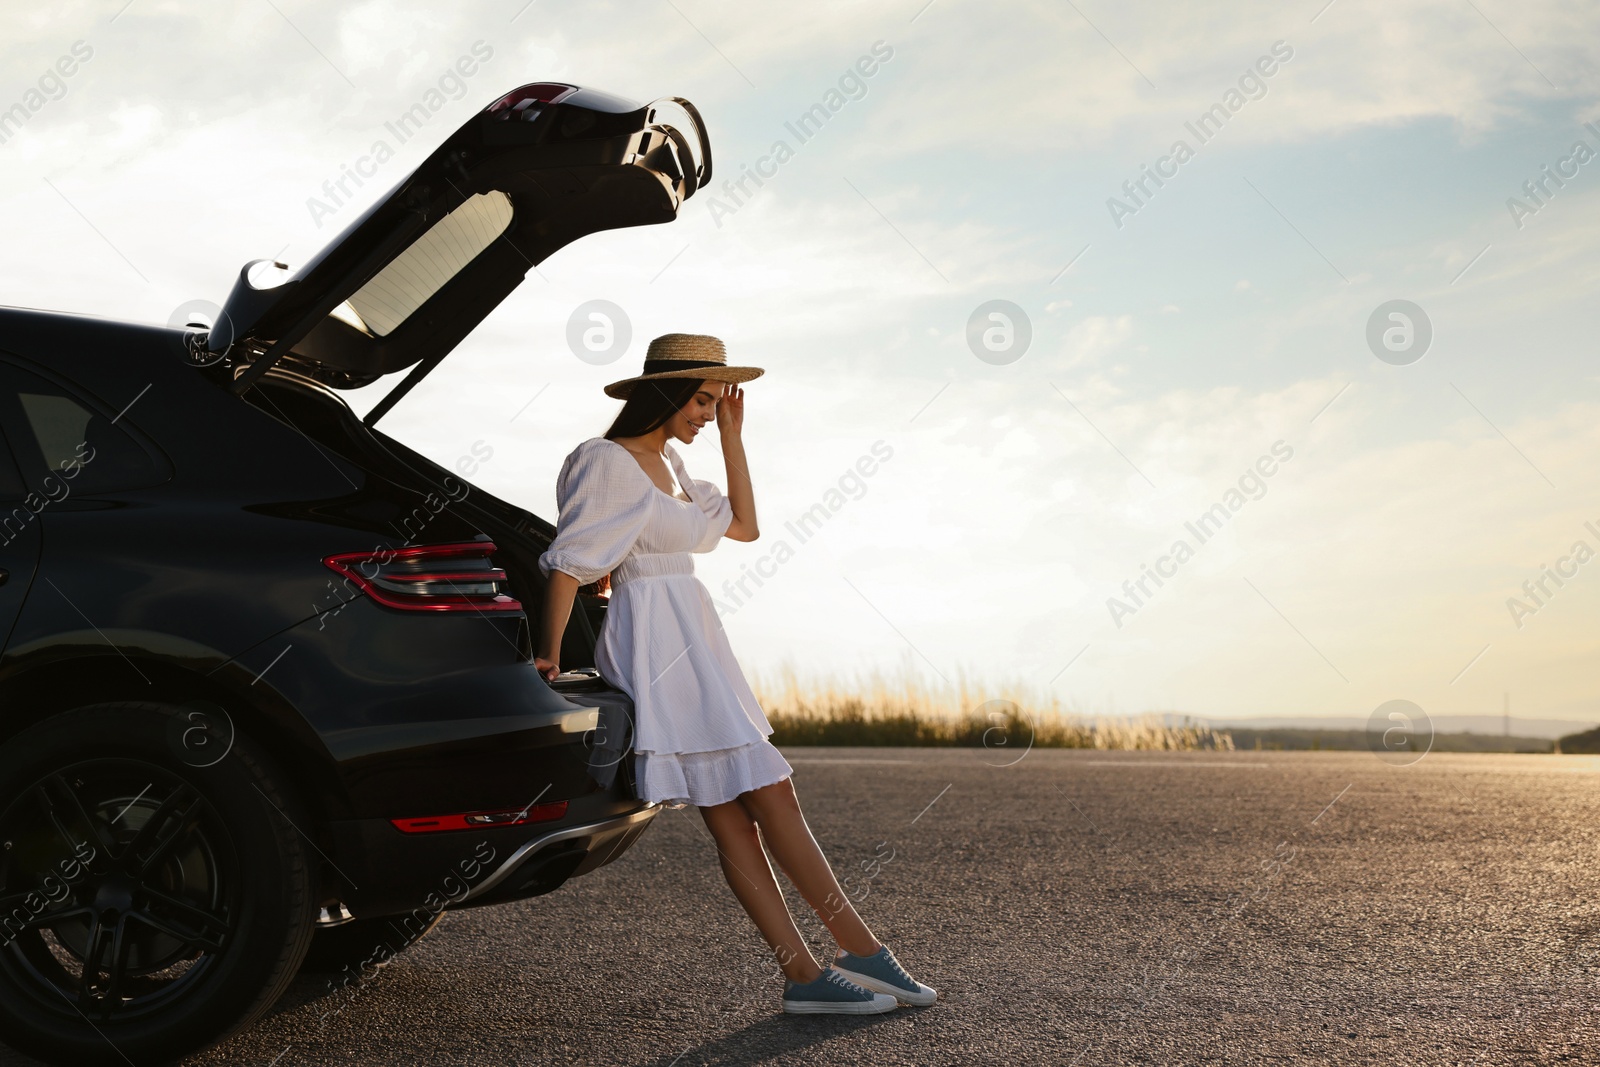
(599, 462)
(594, 450)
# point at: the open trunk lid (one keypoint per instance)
(403, 284)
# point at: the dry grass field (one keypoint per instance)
(903, 709)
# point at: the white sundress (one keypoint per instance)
(699, 736)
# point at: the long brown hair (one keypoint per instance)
(651, 404)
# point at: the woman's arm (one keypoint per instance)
(560, 590)
(730, 420)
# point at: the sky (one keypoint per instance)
(1214, 340)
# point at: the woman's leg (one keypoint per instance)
(777, 811)
(745, 866)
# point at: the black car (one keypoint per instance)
(267, 680)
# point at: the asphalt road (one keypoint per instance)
(1075, 907)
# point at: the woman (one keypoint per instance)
(700, 737)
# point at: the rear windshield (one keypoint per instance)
(380, 306)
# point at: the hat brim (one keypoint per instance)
(620, 390)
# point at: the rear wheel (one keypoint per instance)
(148, 907)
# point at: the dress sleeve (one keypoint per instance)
(718, 509)
(602, 509)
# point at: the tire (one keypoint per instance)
(188, 887)
(362, 944)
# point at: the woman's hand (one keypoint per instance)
(547, 668)
(730, 410)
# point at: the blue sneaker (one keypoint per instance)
(831, 991)
(882, 973)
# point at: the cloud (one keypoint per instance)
(1355, 67)
(1091, 340)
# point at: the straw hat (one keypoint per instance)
(685, 355)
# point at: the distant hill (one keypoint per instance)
(1584, 744)
(1293, 740)
(1488, 725)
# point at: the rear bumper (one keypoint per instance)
(431, 719)
(383, 871)
(559, 855)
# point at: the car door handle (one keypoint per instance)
(4, 574)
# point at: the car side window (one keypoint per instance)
(10, 479)
(58, 436)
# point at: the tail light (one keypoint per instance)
(522, 105)
(478, 820)
(456, 577)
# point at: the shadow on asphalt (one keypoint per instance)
(775, 1038)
